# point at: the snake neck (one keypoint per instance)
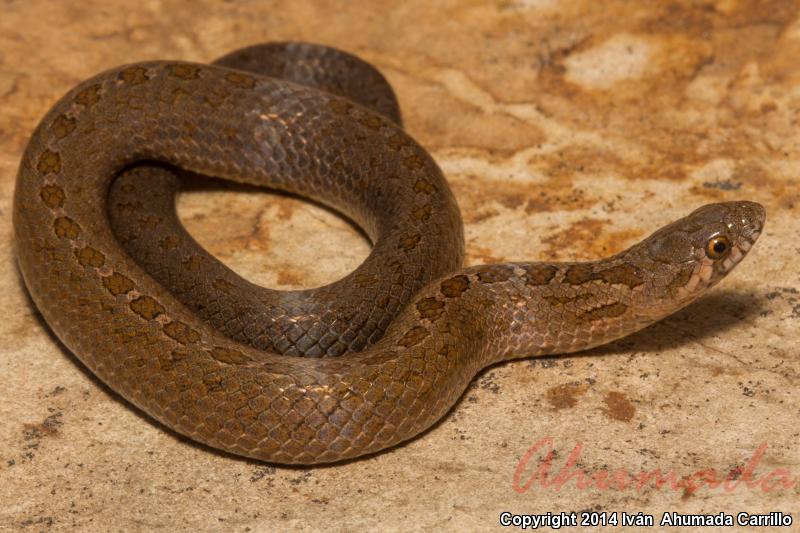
(521, 310)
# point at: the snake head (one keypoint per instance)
(697, 251)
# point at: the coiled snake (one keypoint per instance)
(220, 360)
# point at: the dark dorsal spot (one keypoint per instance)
(66, 228)
(89, 257)
(63, 126)
(228, 356)
(408, 243)
(49, 162)
(171, 97)
(559, 300)
(455, 286)
(150, 221)
(184, 72)
(133, 75)
(116, 284)
(170, 242)
(579, 274)
(223, 285)
(422, 213)
(339, 106)
(88, 96)
(623, 274)
(413, 336)
(372, 122)
(424, 187)
(214, 383)
(243, 81)
(494, 273)
(129, 207)
(193, 262)
(536, 275)
(448, 351)
(167, 362)
(366, 279)
(430, 308)
(146, 307)
(181, 332)
(396, 141)
(396, 266)
(413, 162)
(605, 311)
(215, 99)
(52, 196)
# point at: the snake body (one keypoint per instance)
(174, 332)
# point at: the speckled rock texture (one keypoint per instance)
(567, 130)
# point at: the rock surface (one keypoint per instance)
(568, 130)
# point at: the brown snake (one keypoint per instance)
(216, 358)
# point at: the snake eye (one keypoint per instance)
(718, 247)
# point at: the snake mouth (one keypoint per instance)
(747, 242)
(737, 254)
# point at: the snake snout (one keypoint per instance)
(750, 217)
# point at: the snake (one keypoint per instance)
(316, 375)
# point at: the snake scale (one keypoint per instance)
(319, 375)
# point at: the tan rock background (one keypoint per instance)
(568, 130)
